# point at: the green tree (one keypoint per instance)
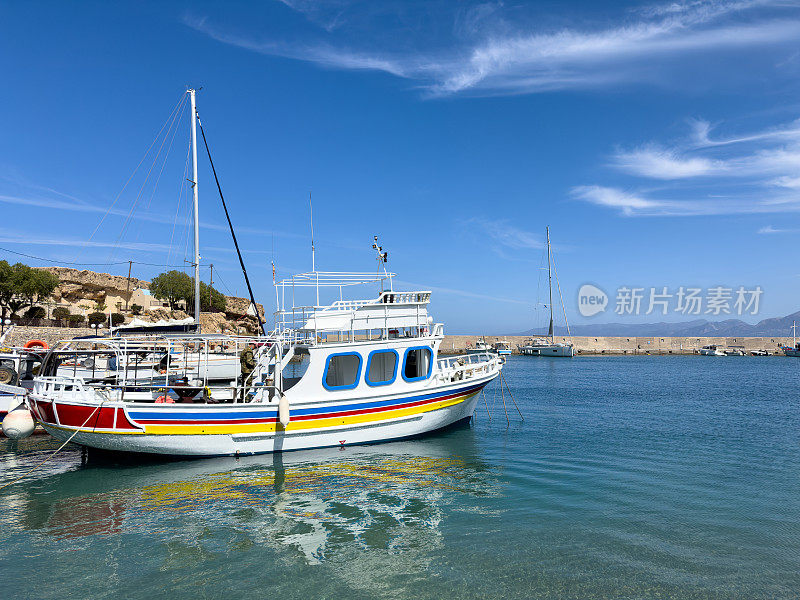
(172, 286)
(35, 312)
(76, 320)
(117, 319)
(21, 286)
(96, 318)
(210, 299)
(60, 313)
(136, 309)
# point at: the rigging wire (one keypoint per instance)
(563, 308)
(233, 234)
(146, 178)
(180, 201)
(180, 101)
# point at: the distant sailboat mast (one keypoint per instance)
(550, 331)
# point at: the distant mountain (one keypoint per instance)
(776, 326)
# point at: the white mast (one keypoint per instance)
(196, 212)
(550, 286)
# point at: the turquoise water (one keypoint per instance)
(631, 477)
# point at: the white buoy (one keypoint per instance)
(283, 411)
(18, 424)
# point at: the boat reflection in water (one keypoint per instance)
(314, 504)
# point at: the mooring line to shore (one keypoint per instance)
(47, 458)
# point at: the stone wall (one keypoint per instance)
(50, 335)
(630, 345)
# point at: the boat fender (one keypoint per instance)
(18, 424)
(283, 411)
(164, 400)
(35, 344)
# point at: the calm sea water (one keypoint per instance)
(631, 477)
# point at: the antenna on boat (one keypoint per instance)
(383, 258)
(311, 216)
(192, 93)
(313, 263)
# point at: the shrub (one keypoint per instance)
(117, 319)
(136, 309)
(35, 312)
(76, 320)
(96, 318)
(60, 313)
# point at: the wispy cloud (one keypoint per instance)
(661, 163)
(769, 229)
(501, 56)
(502, 236)
(626, 202)
(708, 174)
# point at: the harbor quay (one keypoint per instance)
(627, 345)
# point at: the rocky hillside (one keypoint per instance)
(81, 286)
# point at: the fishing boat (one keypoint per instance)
(502, 348)
(481, 347)
(711, 350)
(350, 371)
(548, 347)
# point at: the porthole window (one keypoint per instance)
(382, 367)
(417, 364)
(342, 371)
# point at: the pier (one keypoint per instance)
(591, 345)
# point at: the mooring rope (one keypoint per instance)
(36, 466)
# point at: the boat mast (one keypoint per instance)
(196, 213)
(550, 286)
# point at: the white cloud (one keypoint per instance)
(769, 229)
(503, 233)
(659, 163)
(627, 202)
(519, 59)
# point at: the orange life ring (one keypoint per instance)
(35, 344)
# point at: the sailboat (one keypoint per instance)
(794, 349)
(548, 346)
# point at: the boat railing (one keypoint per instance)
(467, 366)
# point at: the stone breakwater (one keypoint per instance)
(456, 344)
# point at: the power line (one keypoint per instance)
(87, 264)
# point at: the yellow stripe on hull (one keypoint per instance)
(301, 425)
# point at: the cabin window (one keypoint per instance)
(417, 364)
(342, 371)
(382, 367)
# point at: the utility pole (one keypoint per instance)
(128, 288)
(211, 279)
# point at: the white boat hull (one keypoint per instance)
(190, 430)
(555, 351)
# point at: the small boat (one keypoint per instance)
(502, 348)
(794, 349)
(711, 350)
(481, 347)
(548, 347)
(759, 353)
(735, 351)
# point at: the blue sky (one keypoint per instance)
(659, 141)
